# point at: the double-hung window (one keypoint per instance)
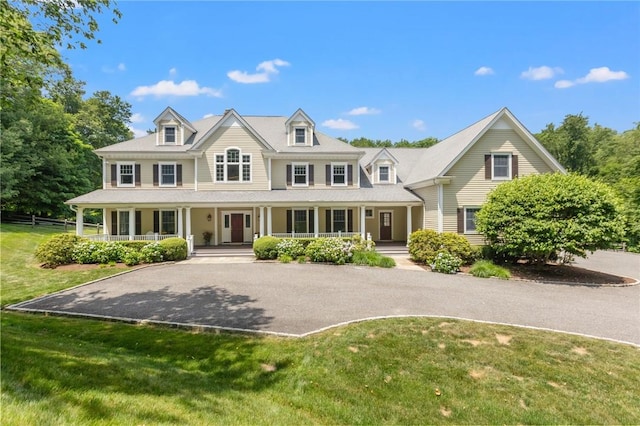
(123, 222)
(470, 219)
(169, 134)
(168, 222)
(300, 136)
(501, 166)
(300, 174)
(233, 166)
(383, 174)
(339, 220)
(126, 174)
(167, 174)
(338, 174)
(300, 221)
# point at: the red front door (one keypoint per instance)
(237, 228)
(385, 225)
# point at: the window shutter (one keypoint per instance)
(289, 222)
(114, 222)
(155, 175)
(328, 176)
(311, 222)
(179, 174)
(328, 220)
(137, 172)
(487, 166)
(138, 222)
(288, 174)
(514, 166)
(350, 220)
(311, 176)
(156, 221)
(114, 175)
(349, 174)
(461, 220)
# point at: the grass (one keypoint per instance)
(400, 371)
(486, 269)
(372, 258)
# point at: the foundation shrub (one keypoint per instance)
(290, 247)
(446, 263)
(152, 253)
(57, 250)
(266, 248)
(131, 256)
(105, 253)
(174, 248)
(330, 250)
(426, 244)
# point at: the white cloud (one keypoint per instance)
(595, 75)
(484, 71)
(541, 73)
(138, 133)
(340, 124)
(364, 111)
(170, 88)
(208, 115)
(122, 67)
(173, 72)
(419, 125)
(137, 118)
(268, 69)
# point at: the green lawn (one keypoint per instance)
(402, 371)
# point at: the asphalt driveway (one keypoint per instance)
(294, 299)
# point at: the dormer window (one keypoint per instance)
(169, 135)
(300, 136)
(383, 174)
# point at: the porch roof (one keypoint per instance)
(384, 194)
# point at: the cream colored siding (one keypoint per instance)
(279, 174)
(430, 196)
(146, 173)
(469, 187)
(236, 137)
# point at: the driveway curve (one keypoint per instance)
(299, 299)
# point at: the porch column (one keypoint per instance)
(408, 223)
(363, 219)
(261, 221)
(79, 221)
(269, 224)
(316, 224)
(105, 231)
(188, 221)
(132, 223)
(180, 230)
(215, 226)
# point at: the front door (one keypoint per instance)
(237, 228)
(385, 225)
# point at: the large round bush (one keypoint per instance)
(174, 248)
(266, 248)
(426, 244)
(57, 250)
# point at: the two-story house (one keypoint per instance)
(244, 176)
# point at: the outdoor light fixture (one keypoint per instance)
(209, 217)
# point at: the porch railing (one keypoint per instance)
(312, 235)
(151, 237)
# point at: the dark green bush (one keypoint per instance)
(136, 245)
(174, 249)
(266, 248)
(57, 250)
(426, 244)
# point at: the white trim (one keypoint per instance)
(295, 136)
(372, 215)
(493, 165)
(380, 166)
(346, 174)
(464, 209)
(104, 173)
(440, 207)
(225, 165)
(346, 219)
(195, 174)
(175, 220)
(175, 134)
(133, 174)
(293, 174)
(175, 174)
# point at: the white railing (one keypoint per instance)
(312, 235)
(152, 237)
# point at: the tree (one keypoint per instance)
(102, 120)
(538, 217)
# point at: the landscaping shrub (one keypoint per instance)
(266, 248)
(152, 253)
(331, 250)
(175, 248)
(486, 269)
(107, 252)
(57, 250)
(362, 244)
(446, 263)
(131, 256)
(426, 244)
(290, 247)
(372, 258)
(285, 258)
(83, 252)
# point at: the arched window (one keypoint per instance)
(233, 166)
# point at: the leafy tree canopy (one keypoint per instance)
(402, 143)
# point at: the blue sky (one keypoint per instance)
(382, 70)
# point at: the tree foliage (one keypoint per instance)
(402, 143)
(538, 217)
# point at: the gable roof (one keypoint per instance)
(297, 113)
(383, 153)
(177, 116)
(437, 160)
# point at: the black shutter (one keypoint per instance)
(114, 175)
(156, 221)
(155, 175)
(349, 174)
(514, 166)
(289, 222)
(487, 166)
(460, 220)
(114, 222)
(311, 222)
(328, 175)
(288, 174)
(328, 220)
(350, 220)
(137, 172)
(138, 222)
(179, 174)
(311, 176)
